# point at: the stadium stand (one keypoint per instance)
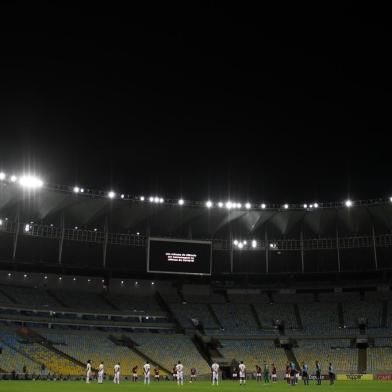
(176, 347)
(253, 352)
(337, 351)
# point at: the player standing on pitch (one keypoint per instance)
(215, 373)
(88, 371)
(242, 368)
(180, 373)
(100, 373)
(146, 372)
(116, 378)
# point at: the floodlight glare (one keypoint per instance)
(141, 198)
(286, 206)
(247, 206)
(156, 199)
(27, 227)
(161, 200)
(220, 204)
(235, 242)
(239, 205)
(2, 176)
(1, 222)
(254, 244)
(181, 202)
(76, 189)
(229, 205)
(348, 203)
(30, 182)
(111, 195)
(13, 178)
(240, 245)
(151, 199)
(315, 205)
(122, 196)
(306, 206)
(209, 204)
(263, 206)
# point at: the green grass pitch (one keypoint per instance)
(198, 386)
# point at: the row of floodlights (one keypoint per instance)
(26, 181)
(32, 182)
(45, 277)
(244, 243)
(251, 244)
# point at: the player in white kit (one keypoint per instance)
(116, 378)
(88, 371)
(215, 373)
(146, 371)
(100, 373)
(180, 373)
(242, 368)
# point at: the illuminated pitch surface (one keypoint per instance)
(166, 386)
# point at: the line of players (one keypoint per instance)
(178, 373)
(291, 375)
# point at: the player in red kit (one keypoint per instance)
(156, 374)
(193, 374)
(134, 373)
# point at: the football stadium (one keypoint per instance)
(284, 290)
(195, 195)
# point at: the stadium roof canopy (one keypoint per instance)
(50, 206)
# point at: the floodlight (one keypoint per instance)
(13, 178)
(254, 244)
(76, 189)
(263, 206)
(285, 206)
(30, 182)
(111, 195)
(181, 202)
(2, 176)
(209, 204)
(247, 206)
(220, 204)
(348, 203)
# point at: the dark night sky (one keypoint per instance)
(261, 104)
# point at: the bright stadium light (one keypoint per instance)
(390, 199)
(76, 189)
(81, 190)
(156, 199)
(286, 206)
(1, 222)
(348, 203)
(181, 202)
(240, 245)
(247, 206)
(13, 178)
(220, 204)
(315, 205)
(254, 244)
(141, 198)
(306, 206)
(2, 176)
(209, 204)
(244, 242)
(122, 196)
(229, 205)
(263, 206)
(151, 199)
(235, 242)
(111, 195)
(27, 227)
(30, 182)
(238, 205)
(161, 200)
